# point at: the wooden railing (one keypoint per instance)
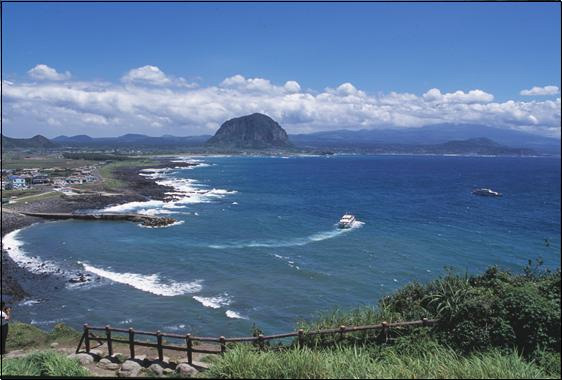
(189, 347)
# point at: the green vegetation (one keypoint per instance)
(497, 324)
(107, 171)
(93, 156)
(42, 162)
(23, 335)
(46, 363)
(360, 363)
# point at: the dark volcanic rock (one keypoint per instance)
(255, 131)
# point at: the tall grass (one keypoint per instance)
(46, 363)
(360, 363)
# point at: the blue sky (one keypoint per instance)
(380, 49)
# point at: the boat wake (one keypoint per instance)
(320, 236)
(147, 283)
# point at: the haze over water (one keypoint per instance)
(258, 243)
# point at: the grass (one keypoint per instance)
(110, 182)
(358, 363)
(46, 363)
(23, 335)
(42, 162)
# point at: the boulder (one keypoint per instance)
(129, 369)
(83, 358)
(119, 357)
(185, 370)
(108, 364)
(54, 345)
(156, 369)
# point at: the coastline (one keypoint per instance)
(138, 188)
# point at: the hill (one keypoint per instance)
(255, 131)
(428, 135)
(37, 142)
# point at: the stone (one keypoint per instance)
(119, 357)
(97, 352)
(156, 369)
(168, 371)
(108, 364)
(83, 358)
(129, 369)
(185, 370)
(14, 354)
(54, 345)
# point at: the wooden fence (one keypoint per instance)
(189, 348)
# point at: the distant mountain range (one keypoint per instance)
(429, 135)
(37, 142)
(437, 139)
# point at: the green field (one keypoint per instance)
(110, 182)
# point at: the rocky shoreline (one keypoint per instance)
(139, 188)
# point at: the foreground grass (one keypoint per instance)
(356, 363)
(22, 336)
(43, 364)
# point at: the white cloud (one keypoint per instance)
(146, 74)
(473, 96)
(172, 108)
(44, 72)
(546, 90)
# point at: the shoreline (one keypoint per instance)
(138, 189)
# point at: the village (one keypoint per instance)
(21, 180)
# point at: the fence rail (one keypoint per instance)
(88, 335)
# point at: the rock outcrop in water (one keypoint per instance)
(255, 131)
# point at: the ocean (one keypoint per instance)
(256, 240)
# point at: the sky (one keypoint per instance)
(106, 69)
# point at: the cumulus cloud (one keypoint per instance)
(538, 91)
(147, 74)
(44, 72)
(163, 105)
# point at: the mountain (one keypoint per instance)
(255, 131)
(37, 141)
(131, 140)
(433, 134)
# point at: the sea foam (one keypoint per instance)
(14, 247)
(147, 283)
(214, 302)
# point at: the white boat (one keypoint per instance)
(346, 221)
(486, 192)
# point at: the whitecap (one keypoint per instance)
(214, 302)
(234, 315)
(147, 283)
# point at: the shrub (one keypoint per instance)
(47, 363)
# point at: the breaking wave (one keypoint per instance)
(185, 191)
(214, 302)
(147, 283)
(34, 264)
(234, 315)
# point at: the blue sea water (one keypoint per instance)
(258, 243)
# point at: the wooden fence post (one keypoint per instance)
(132, 342)
(385, 331)
(301, 338)
(189, 344)
(109, 342)
(159, 347)
(87, 337)
(260, 341)
(223, 345)
(342, 331)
